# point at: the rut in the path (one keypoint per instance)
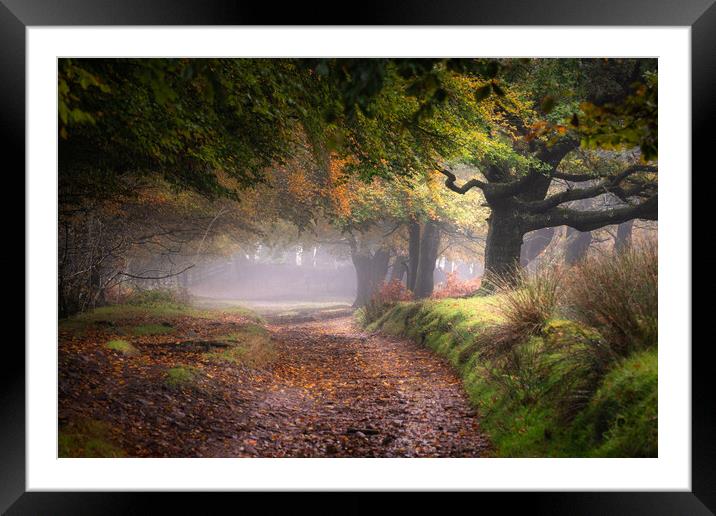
(334, 392)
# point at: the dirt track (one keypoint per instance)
(338, 393)
(330, 391)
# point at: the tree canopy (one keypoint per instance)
(349, 151)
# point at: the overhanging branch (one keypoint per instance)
(591, 220)
(462, 190)
(611, 184)
(493, 190)
(155, 277)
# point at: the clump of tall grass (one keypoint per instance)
(529, 299)
(509, 351)
(618, 296)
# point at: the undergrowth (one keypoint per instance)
(146, 315)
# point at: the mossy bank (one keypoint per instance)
(555, 393)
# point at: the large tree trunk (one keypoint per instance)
(503, 244)
(96, 292)
(577, 245)
(379, 267)
(370, 272)
(624, 232)
(362, 262)
(429, 244)
(400, 267)
(413, 253)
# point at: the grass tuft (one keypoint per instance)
(122, 346)
(529, 299)
(253, 347)
(181, 376)
(150, 329)
(87, 438)
(618, 296)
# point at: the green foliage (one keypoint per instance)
(360, 317)
(87, 438)
(157, 297)
(244, 312)
(250, 329)
(120, 312)
(209, 125)
(125, 317)
(216, 125)
(632, 122)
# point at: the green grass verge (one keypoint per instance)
(88, 438)
(118, 316)
(553, 404)
(621, 419)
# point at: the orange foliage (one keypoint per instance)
(340, 190)
(386, 296)
(298, 185)
(455, 287)
(391, 292)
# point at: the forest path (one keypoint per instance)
(336, 392)
(222, 385)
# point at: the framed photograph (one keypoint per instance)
(417, 249)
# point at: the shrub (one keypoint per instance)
(157, 297)
(618, 296)
(360, 317)
(548, 395)
(386, 296)
(455, 287)
(557, 364)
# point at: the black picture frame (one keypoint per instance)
(700, 15)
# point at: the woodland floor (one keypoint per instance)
(316, 388)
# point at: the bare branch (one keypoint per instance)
(472, 183)
(156, 277)
(494, 190)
